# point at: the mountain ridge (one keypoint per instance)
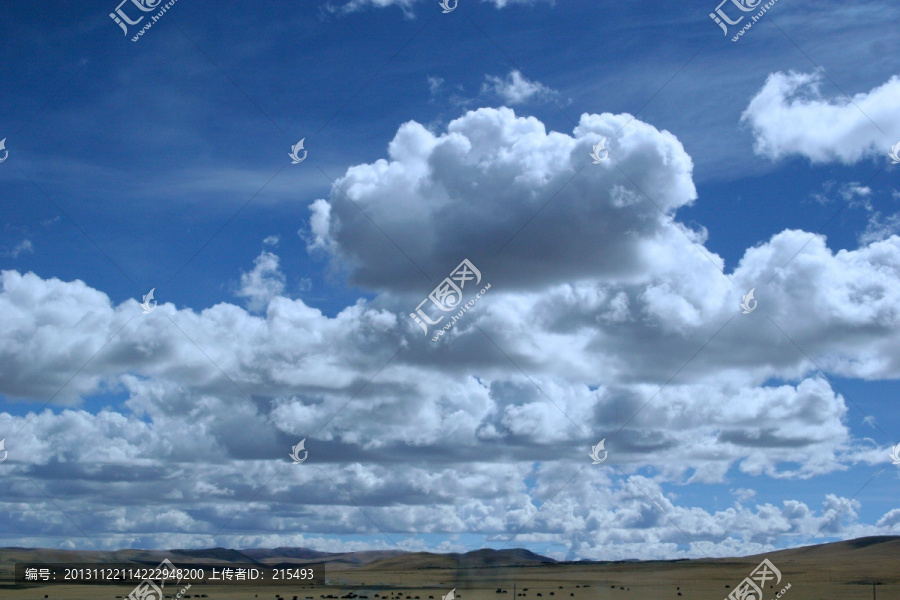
(392, 559)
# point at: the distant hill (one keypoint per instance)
(498, 558)
(874, 547)
(516, 557)
(862, 549)
(300, 553)
(296, 556)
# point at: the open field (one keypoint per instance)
(840, 571)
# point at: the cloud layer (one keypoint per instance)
(607, 319)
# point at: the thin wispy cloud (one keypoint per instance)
(23, 247)
(516, 89)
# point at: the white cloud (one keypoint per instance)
(434, 84)
(22, 247)
(263, 283)
(880, 228)
(517, 89)
(852, 193)
(790, 116)
(317, 237)
(357, 5)
(743, 494)
(471, 189)
(891, 520)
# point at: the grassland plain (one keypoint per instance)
(836, 571)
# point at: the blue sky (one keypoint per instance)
(163, 163)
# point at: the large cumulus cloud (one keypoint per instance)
(473, 189)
